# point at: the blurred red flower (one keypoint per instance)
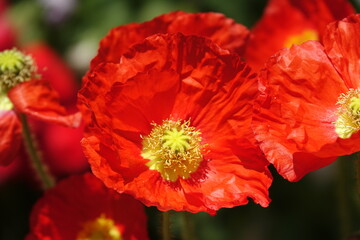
(7, 32)
(81, 207)
(170, 125)
(287, 22)
(307, 111)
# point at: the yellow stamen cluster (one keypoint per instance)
(173, 149)
(101, 228)
(302, 37)
(15, 67)
(348, 121)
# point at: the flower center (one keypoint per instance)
(348, 121)
(101, 228)
(15, 67)
(173, 149)
(5, 103)
(306, 35)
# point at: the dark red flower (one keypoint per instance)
(287, 22)
(7, 32)
(81, 207)
(307, 113)
(170, 125)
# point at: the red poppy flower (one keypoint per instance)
(223, 31)
(36, 99)
(170, 125)
(81, 207)
(287, 22)
(307, 111)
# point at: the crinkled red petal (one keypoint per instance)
(62, 212)
(180, 77)
(221, 30)
(37, 99)
(216, 26)
(285, 18)
(296, 110)
(341, 44)
(10, 141)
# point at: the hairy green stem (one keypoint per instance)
(31, 147)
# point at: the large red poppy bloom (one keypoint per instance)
(36, 99)
(81, 207)
(287, 22)
(307, 110)
(170, 125)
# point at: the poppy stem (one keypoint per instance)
(31, 147)
(187, 231)
(357, 166)
(166, 225)
(343, 190)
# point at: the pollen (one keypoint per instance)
(173, 149)
(304, 36)
(101, 228)
(15, 67)
(348, 121)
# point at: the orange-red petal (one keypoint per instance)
(341, 44)
(37, 99)
(283, 19)
(296, 111)
(216, 26)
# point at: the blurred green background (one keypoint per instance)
(323, 205)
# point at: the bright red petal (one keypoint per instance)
(341, 43)
(10, 141)
(221, 30)
(285, 19)
(296, 109)
(37, 99)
